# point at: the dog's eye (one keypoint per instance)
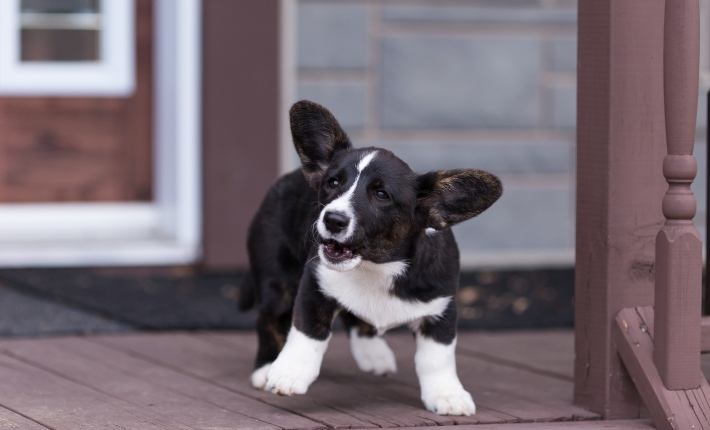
(382, 195)
(333, 183)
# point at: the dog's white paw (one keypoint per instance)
(449, 402)
(287, 380)
(372, 354)
(258, 377)
(297, 366)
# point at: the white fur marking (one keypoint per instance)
(372, 354)
(442, 392)
(297, 366)
(366, 292)
(258, 377)
(343, 205)
(431, 231)
(365, 161)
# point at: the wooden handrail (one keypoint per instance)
(678, 289)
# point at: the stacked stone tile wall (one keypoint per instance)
(489, 84)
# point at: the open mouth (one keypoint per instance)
(337, 252)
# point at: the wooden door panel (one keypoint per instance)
(82, 149)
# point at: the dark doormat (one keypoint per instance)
(180, 298)
(144, 299)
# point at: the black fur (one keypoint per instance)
(395, 207)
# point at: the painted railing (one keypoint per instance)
(678, 292)
(660, 346)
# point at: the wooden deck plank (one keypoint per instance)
(548, 352)
(87, 364)
(61, 404)
(670, 409)
(494, 405)
(504, 388)
(12, 420)
(187, 376)
(193, 387)
(363, 406)
(582, 425)
(194, 357)
(393, 398)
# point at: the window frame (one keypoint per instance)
(112, 75)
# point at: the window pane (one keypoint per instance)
(60, 6)
(60, 45)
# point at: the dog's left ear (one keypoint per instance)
(448, 197)
(317, 137)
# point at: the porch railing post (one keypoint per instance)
(678, 244)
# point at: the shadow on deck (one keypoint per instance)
(519, 380)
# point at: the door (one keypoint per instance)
(65, 138)
(99, 140)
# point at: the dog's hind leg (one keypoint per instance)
(272, 326)
(371, 352)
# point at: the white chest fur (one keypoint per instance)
(366, 292)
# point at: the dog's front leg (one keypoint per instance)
(298, 364)
(435, 363)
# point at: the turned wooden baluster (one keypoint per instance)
(678, 244)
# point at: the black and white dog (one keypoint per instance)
(356, 232)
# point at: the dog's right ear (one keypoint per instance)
(317, 137)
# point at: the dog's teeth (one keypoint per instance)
(338, 251)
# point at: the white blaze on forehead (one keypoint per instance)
(343, 204)
(364, 161)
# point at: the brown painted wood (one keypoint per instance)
(527, 395)
(588, 425)
(11, 420)
(396, 396)
(192, 387)
(500, 393)
(65, 149)
(548, 352)
(705, 334)
(669, 409)
(367, 399)
(679, 262)
(223, 368)
(620, 149)
(58, 403)
(128, 378)
(240, 122)
(105, 371)
(374, 410)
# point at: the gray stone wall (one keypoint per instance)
(447, 83)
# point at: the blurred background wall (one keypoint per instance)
(477, 83)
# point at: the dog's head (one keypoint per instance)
(373, 204)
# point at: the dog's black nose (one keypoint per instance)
(335, 222)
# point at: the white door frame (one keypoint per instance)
(165, 231)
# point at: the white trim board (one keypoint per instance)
(112, 75)
(166, 231)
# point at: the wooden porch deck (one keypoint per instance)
(519, 380)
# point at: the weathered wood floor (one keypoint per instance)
(200, 381)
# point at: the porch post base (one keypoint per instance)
(669, 409)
